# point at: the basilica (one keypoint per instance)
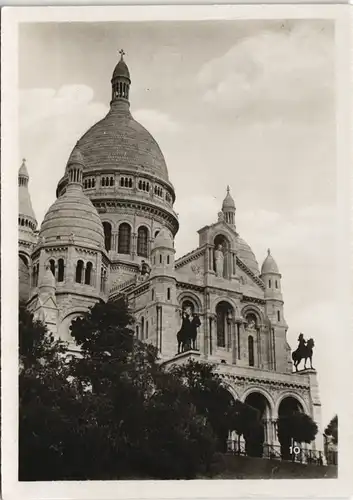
(110, 233)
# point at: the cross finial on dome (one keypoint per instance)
(24, 161)
(228, 189)
(268, 251)
(122, 54)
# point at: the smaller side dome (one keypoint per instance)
(163, 240)
(269, 265)
(228, 201)
(121, 69)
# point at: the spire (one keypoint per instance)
(228, 208)
(23, 173)
(27, 218)
(121, 80)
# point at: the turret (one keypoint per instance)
(27, 237)
(271, 276)
(162, 255)
(162, 308)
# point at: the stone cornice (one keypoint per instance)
(189, 257)
(105, 205)
(190, 286)
(253, 300)
(264, 381)
(247, 271)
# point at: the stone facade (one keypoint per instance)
(110, 233)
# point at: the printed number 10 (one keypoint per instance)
(294, 449)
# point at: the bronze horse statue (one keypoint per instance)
(187, 334)
(304, 351)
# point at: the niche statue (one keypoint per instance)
(187, 334)
(304, 351)
(219, 261)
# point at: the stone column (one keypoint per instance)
(234, 341)
(133, 245)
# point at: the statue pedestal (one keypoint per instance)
(315, 403)
(183, 357)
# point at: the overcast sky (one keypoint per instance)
(245, 103)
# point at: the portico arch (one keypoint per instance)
(301, 404)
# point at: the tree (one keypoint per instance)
(157, 431)
(206, 390)
(296, 426)
(332, 429)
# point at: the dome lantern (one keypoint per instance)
(75, 166)
(121, 80)
(228, 208)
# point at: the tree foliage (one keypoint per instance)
(114, 401)
(332, 429)
(296, 426)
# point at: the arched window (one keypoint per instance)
(168, 293)
(276, 282)
(160, 259)
(168, 259)
(278, 316)
(224, 313)
(140, 184)
(251, 350)
(103, 278)
(156, 233)
(61, 270)
(142, 239)
(112, 181)
(137, 331)
(269, 283)
(146, 329)
(130, 183)
(102, 181)
(88, 273)
(52, 266)
(107, 235)
(152, 294)
(124, 238)
(79, 269)
(122, 181)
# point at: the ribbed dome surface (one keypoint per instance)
(269, 265)
(73, 217)
(121, 69)
(247, 256)
(228, 201)
(119, 142)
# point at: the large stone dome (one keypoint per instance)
(247, 256)
(118, 142)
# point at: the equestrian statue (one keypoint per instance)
(304, 351)
(187, 334)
